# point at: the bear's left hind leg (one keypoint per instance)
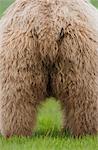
(19, 97)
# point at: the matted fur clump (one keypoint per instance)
(49, 48)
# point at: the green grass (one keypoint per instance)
(47, 135)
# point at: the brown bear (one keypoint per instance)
(49, 48)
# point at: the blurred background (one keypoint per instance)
(5, 3)
(94, 2)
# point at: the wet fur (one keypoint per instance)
(49, 48)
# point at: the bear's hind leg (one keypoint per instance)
(17, 119)
(20, 94)
(77, 93)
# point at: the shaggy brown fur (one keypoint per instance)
(49, 48)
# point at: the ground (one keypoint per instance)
(47, 135)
